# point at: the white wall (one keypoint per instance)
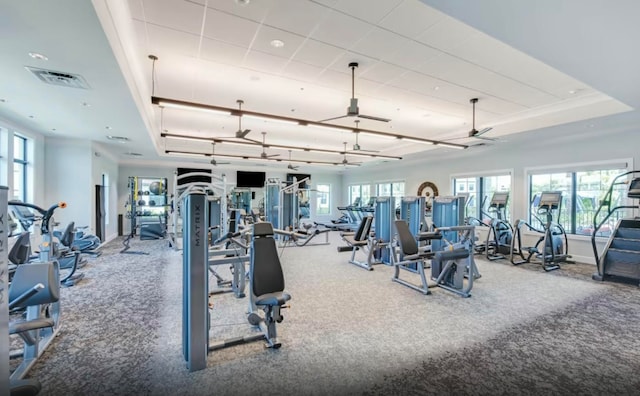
(540, 149)
(67, 177)
(103, 162)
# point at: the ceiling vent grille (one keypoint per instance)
(59, 78)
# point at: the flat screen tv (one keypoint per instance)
(193, 179)
(299, 176)
(250, 179)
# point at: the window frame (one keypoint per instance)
(24, 163)
(480, 187)
(319, 195)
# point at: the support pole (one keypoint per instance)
(195, 288)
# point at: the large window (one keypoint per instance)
(391, 189)
(362, 191)
(323, 199)
(581, 194)
(479, 191)
(20, 162)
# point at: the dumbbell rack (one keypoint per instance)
(142, 204)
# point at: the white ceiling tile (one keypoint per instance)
(411, 18)
(341, 64)
(447, 34)
(368, 10)
(337, 80)
(412, 55)
(296, 16)
(340, 30)
(175, 14)
(379, 43)
(137, 9)
(302, 71)
(383, 72)
(266, 63)
(266, 34)
(317, 53)
(254, 11)
(218, 51)
(229, 28)
(165, 40)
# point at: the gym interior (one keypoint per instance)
(318, 197)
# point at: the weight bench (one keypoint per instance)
(360, 241)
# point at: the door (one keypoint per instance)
(100, 213)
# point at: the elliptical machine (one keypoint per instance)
(552, 246)
(500, 235)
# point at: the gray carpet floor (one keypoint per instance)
(348, 331)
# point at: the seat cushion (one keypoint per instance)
(272, 299)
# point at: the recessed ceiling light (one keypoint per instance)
(108, 127)
(277, 43)
(436, 88)
(243, 2)
(119, 139)
(85, 104)
(38, 56)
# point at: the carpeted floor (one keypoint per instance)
(349, 331)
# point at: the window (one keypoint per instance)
(362, 191)
(479, 191)
(391, 189)
(581, 194)
(20, 162)
(323, 199)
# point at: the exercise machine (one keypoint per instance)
(498, 242)
(620, 258)
(360, 240)
(452, 268)
(266, 286)
(551, 247)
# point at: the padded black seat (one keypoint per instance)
(28, 275)
(267, 279)
(21, 249)
(361, 236)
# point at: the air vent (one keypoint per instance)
(59, 78)
(134, 154)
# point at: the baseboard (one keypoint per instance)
(110, 238)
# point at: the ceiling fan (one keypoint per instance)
(291, 166)
(346, 162)
(264, 155)
(240, 133)
(474, 133)
(356, 146)
(213, 153)
(353, 110)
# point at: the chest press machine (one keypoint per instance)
(266, 286)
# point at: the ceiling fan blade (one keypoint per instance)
(334, 118)
(272, 155)
(483, 131)
(486, 138)
(374, 118)
(241, 134)
(363, 151)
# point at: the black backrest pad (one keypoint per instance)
(407, 241)
(29, 275)
(68, 235)
(266, 272)
(21, 250)
(262, 229)
(363, 230)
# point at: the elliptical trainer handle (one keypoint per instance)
(44, 227)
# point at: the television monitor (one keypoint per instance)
(299, 176)
(250, 179)
(193, 179)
